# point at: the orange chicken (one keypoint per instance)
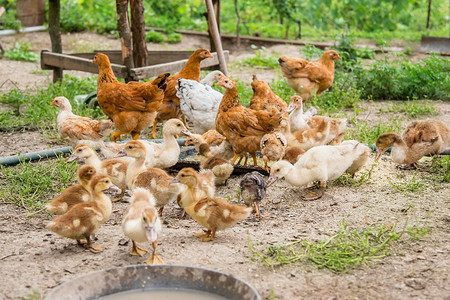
(242, 127)
(309, 78)
(264, 98)
(133, 106)
(171, 104)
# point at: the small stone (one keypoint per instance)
(165, 222)
(421, 257)
(38, 253)
(52, 242)
(292, 275)
(419, 250)
(415, 283)
(333, 204)
(123, 242)
(182, 242)
(355, 205)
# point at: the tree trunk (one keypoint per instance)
(238, 24)
(216, 9)
(54, 30)
(216, 36)
(429, 13)
(140, 53)
(299, 34)
(123, 26)
(286, 34)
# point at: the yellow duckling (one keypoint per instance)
(142, 224)
(213, 213)
(419, 138)
(220, 167)
(83, 219)
(75, 194)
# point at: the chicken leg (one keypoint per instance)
(203, 234)
(257, 213)
(116, 135)
(153, 133)
(209, 238)
(255, 163)
(137, 251)
(155, 259)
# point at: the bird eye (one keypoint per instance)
(79, 150)
(129, 147)
(277, 170)
(178, 125)
(182, 175)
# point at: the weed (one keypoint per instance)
(174, 38)
(154, 37)
(412, 185)
(33, 296)
(413, 108)
(28, 183)
(441, 168)
(365, 132)
(362, 178)
(261, 59)
(21, 51)
(342, 252)
(281, 89)
(416, 232)
(311, 52)
(40, 72)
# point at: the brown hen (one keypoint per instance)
(309, 78)
(242, 127)
(171, 104)
(264, 98)
(133, 106)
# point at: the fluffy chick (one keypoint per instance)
(253, 190)
(218, 165)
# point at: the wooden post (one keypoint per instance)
(123, 26)
(429, 13)
(216, 36)
(140, 53)
(216, 5)
(54, 30)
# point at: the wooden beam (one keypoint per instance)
(172, 67)
(216, 36)
(50, 60)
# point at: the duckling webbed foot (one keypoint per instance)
(137, 251)
(203, 234)
(314, 194)
(209, 238)
(154, 259)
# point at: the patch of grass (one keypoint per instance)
(311, 52)
(40, 72)
(33, 110)
(173, 38)
(403, 80)
(366, 132)
(342, 94)
(154, 37)
(28, 184)
(416, 233)
(362, 178)
(33, 296)
(261, 59)
(413, 108)
(409, 185)
(441, 168)
(342, 252)
(21, 52)
(281, 89)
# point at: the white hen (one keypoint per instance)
(199, 102)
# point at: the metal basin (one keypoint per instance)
(146, 278)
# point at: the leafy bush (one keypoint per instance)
(405, 80)
(261, 59)
(21, 52)
(154, 37)
(174, 38)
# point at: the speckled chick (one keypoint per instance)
(253, 190)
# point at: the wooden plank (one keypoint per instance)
(51, 60)
(172, 67)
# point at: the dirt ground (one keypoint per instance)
(33, 259)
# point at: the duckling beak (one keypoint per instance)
(72, 158)
(151, 234)
(379, 153)
(290, 107)
(121, 153)
(113, 188)
(175, 180)
(271, 180)
(186, 132)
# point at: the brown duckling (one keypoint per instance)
(273, 147)
(75, 194)
(83, 219)
(141, 224)
(213, 213)
(420, 138)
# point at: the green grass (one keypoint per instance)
(21, 52)
(440, 168)
(362, 177)
(261, 59)
(416, 233)
(409, 184)
(32, 110)
(346, 250)
(154, 37)
(366, 132)
(413, 108)
(30, 185)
